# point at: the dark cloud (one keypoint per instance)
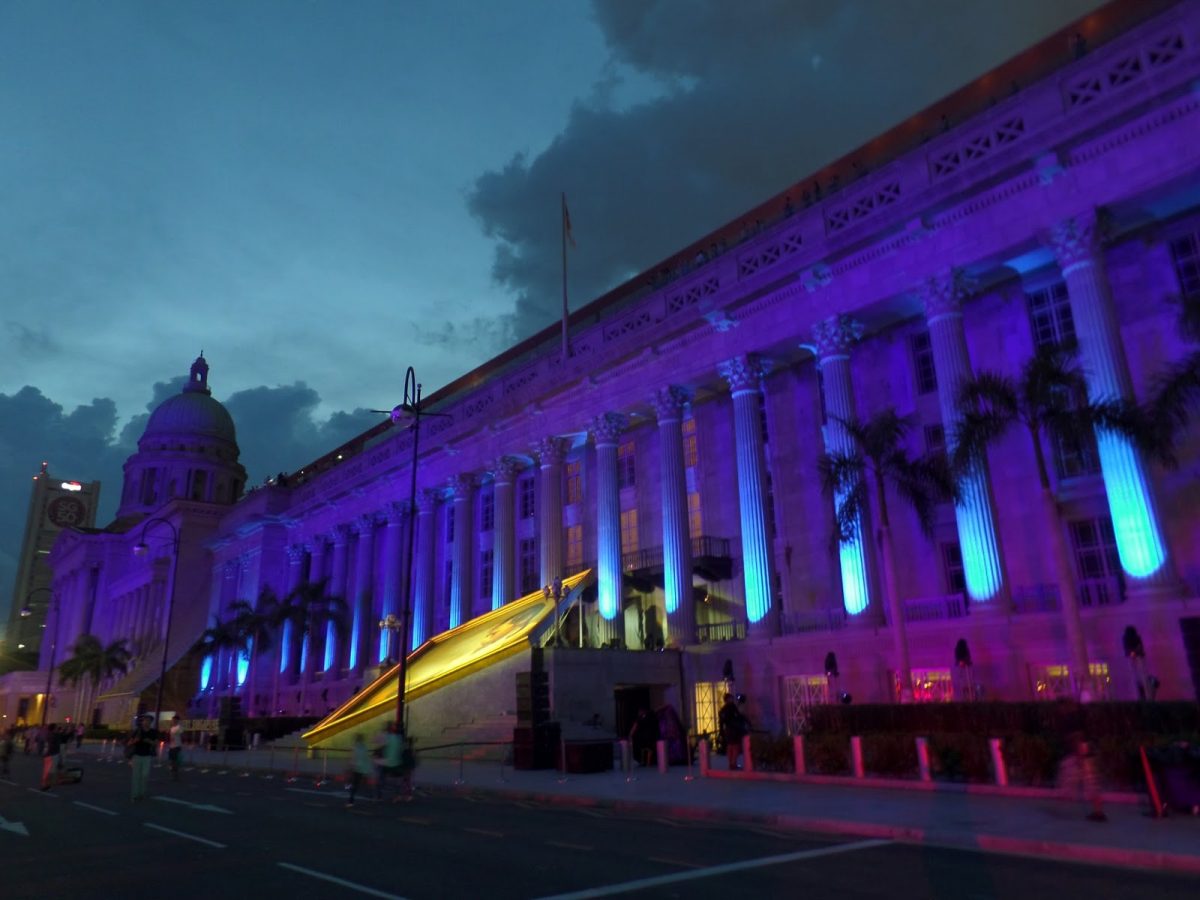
(753, 97)
(276, 427)
(31, 341)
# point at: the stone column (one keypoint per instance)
(393, 548)
(462, 491)
(364, 629)
(226, 662)
(504, 470)
(423, 623)
(606, 432)
(975, 512)
(550, 452)
(313, 651)
(1140, 543)
(834, 337)
(744, 374)
(335, 649)
(290, 643)
(669, 405)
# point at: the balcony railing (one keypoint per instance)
(935, 609)
(1101, 592)
(720, 631)
(703, 547)
(808, 620)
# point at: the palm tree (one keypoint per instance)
(878, 461)
(310, 610)
(257, 624)
(1047, 401)
(222, 636)
(95, 661)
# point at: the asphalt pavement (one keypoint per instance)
(227, 831)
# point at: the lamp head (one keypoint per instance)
(140, 548)
(26, 612)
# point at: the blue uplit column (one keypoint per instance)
(289, 646)
(227, 657)
(422, 609)
(335, 656)
(396, 514)
(974, 513)
(504, 470)
(606, 432)
(1140, 544)
(669, 405)
(834, 337)
(550, 452)
(363, 630)
(312, 654)
(462, 490)
(744, 374)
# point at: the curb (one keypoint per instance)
(1086, 854)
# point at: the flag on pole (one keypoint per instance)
(566, 223)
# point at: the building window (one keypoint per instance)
(769, 496)
(529, 565)
(762, 418)
(487, 511)
(573, 471)
(199, 484)
(1186, 253)
(626, 466)
(574, 548)
(149, 486)
(1075, 458)
(952, 568)
(935, 440)
(1096, 560)
(449, 524)
(821, 396)
(922, 354)
(629, 530)
(527, 498)
(1050, 316)
(485, 574)
(695, 515)
(691, 448)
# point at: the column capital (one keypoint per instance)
(550, 450)
(364, 524)
(742, 373)
(427, 500)
(606, 428)
(461, 485)
(504, 469)
(943, 293)
(836, 335)
(670, 402)
(230, 569)
(1076, 239)
(396, 511)
(339, 535)
(296, 554)
(315, 544)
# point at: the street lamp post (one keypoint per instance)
(411, 407)
(392, 624)
(140, 549)
(52, 607)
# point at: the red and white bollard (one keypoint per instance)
(798, 752)
(856, 757)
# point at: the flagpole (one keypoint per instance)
(565, 353)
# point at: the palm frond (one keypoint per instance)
(923, 482)
(987, 405)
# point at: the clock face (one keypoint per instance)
(66, 512)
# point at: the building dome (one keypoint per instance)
(187, 451)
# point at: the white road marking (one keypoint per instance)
(14, 827)
(184, 834)
(40, 791)
(203, 807)
(332, 795)
(107, 812)
(6, 781)
(657, 881)
(333, 879)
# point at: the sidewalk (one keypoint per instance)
(1041, 826)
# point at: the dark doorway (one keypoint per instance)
(630, 700)
(1190, 627)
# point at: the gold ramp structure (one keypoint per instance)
(449, 657)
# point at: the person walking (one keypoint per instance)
(7, 745)
(734, 726)
(175, 746)
(361, 766)
(643, 737)
(142, 744)
(391, 761)
(79, 736)
(50, 760)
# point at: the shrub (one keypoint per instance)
(827, 754)
(1033, 759)
(960, 757)
(890, 755)
(772, 753)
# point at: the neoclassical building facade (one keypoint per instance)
(675, 449)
